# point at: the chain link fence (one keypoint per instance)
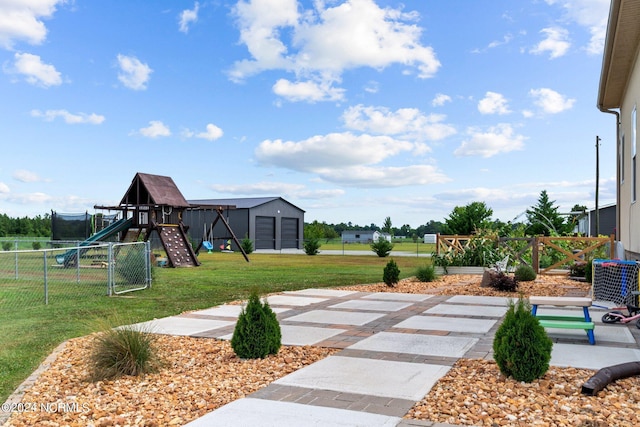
(44, 276)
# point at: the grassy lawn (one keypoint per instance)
(408, 246)
(30, 333)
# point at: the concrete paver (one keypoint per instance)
(401, 380)
(395, 347)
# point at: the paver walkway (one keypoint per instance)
(395, 347)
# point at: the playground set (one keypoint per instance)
(153, 203)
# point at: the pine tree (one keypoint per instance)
(544, 218)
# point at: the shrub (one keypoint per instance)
(382, 247)
(257, 333)
(311, 246)
(123, 351)
(426, 273)
(525, 273)
(588, 272)
(6, 246)
(36, 245)
(578, 269)
(521, 347)
(391, 273)
(503, 282)
(247, 245)
(131, 267)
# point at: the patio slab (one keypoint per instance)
(591, 356)
(397, 296)
(335, 317)
(177, 325)
(370, 305)
(249, 412)
(230, 311)
(293, 300)
(300, 335)
(335, 293)
(469, 299)
(400, 380)
(451, 324)
(427, 345)
(468, 310)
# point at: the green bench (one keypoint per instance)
(565, 322)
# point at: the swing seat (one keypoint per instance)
(207, 245)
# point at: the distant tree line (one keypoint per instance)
(38, 226)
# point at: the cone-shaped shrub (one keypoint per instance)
(391, 273)
(257, 333)
(521, 347)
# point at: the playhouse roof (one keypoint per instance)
(153, 190)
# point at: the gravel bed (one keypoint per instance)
(200, 375)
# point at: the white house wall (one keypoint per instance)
(630, 210)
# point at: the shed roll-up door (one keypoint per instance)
(265, 232)
(289, 233)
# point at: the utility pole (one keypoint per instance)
(597, 184)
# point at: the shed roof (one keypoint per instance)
(153, 190)
(620, 51)
(240, 203)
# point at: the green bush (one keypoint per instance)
(311, 246)
(382, 247)
(257, 333)
(426, 273)
(247, 245)
(525, 273)
(588, 272)
(131, 267)
(36, 245)
(521, 347)
(391, 273)
(6, 246)
(123, 351)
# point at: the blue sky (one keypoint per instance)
(353, 110)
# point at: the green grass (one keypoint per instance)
(408, 246)
(30, 333)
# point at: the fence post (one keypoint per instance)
(147, 257)
(78, 265)
(535, 255)
(46, 282)
(110, 264)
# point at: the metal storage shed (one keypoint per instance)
(270, 222)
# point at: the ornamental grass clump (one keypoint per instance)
(123, 351)
(521, 347)
(426, 273)
(257, 333)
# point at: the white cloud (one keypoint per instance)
(133, 73)
(23, 175)
(22, 20)
(35, 72)
(384, 177)
(264, 187)
(4, 188)
(320, 194)
(556, 42)
(404, 122)
(591, 14)
(550, 101)
(187, 17)
(332, 151)
(212, 133)
(50, 115)
(326, 41)
(307, 91)
(440, 99)
(495, 140)
(493, 103)
(155, 129)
